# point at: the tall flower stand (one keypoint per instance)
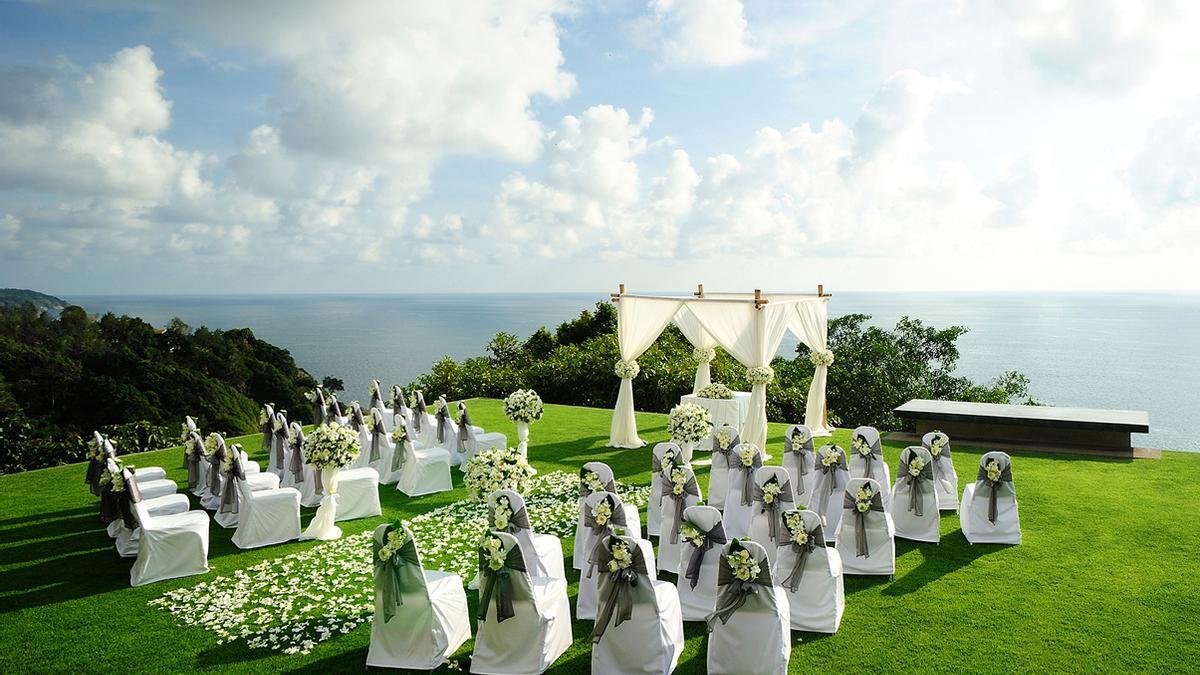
(523, 439)
(322, 526)
(687, 449)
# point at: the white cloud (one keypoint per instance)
(692, 33)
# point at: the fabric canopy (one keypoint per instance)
(750, 333)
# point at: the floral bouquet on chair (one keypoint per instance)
(495, 469)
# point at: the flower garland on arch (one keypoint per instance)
(760, 375)
(704, 354)
(627, 370)
(821, 357)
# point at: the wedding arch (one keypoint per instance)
(749, 326)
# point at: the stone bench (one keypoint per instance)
(1027, 427)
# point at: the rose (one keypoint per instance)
(691, 534)
(743, 565)
(935, 445)
(993, 470)
(679, 479)
(503, 512)
(746, 454)
(770, 492)
(493, 551)
(592, 480)
(622, 557)
(602, 512)
(829, 456)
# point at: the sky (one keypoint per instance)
(548, 145)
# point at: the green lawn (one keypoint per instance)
(1108, 577)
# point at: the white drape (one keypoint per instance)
(639, 322)
(690, 326)
(810, 323)
(751, 336)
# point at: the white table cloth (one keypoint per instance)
(731, 411)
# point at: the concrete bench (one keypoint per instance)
(1026, 427)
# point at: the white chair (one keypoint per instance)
(267, 427)
(277, 462)
(650, 638)
(358, 494)
(663, 455)
(229, 506)
(293, 473)
(146, 473)
(170, 546)
(914, 506)
(543, 552)
(320, 407)
(866, 460)
(473, 440)
(810, 573)
(399, 406)
(739, 495)
(831, 481)
(357, 421)
(446, 432)
(800, 461)
(697, 580)
(945, 478)
(379, 446)
(423, 423)
(265, 517)
(604, 477)
(988, 514)
(766, 523)
(724, 439)
(193, 455)
(308, 482)
(421, 615)
(376, 396)
(624, 516)
(673, 505)
(866, 539)
(539, 629)
(748, 632)
(127, 530)
(423, 470)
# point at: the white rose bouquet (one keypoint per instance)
(830, 455)
(993, 470)
(627, 370)
(821, 357)
(602, 512)
(400, 435)
(715, 390)
(860, 445)
(862, 500)
(210, 444)
(679, 481)
(744, 566)
(704, 354)
(770, 491)
(937, 443)
(689, 423)
(493, 552)
(724, 438)
(760, 374)
(691, 534)
(331, 446)
(523, 405)
(497, 468)
(591, 479)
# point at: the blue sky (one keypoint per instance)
(549, 145)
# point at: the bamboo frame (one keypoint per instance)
(759, 299)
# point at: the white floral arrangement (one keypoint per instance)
(760, 374)
(862, 500)
(310, 396)
(830, 455)
(679, 481)
(622, 557)
(262, 414)
(331, 446)
(502, 511)
(689, 423)
(591, 479)
(704, 354)
(397, 537)
(744, 566)
(602, 512)
(915, 465)
(771, 492)
(495, 469)
(184, 433)
(993, 470)
(724, 438)
(795, 525)
(821, 357)
(627, 370)
(95, 449)
(493, 552)
(115, 479)
(860, 445)
(799, 438)
(746, 453)
(210, 444)
(400, 435)
(280, 422)
(691, 534)
(523, 405)
(439, 405)
(715, 390)
(227, 463)
(937, 443)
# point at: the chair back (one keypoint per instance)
(603, 473)
(928, 439)
(1005, 482)
(513, 576)
(719, 446)
(702, 516)
(660, 454)
(517, 518)
(798, 438)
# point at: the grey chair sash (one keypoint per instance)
(716, 535)
(498, 584)
(680, 501)
(127, 498)
(945, 448)
(869, 458)
(1005, 477)
(443, 420)
(727, 453)
(267, 426)
(296, 464)
(464, 427)
(376, 399)
(281, 444)
(735, 592)
(357, 421)
(229, 495)
(816, 537)
(657, 465)
(519, 520)
(617, 588)
(916, 485)
(862, 550)
(831, 471)
(320, 410)
(585, 491)
(400, 455)
(192, 459)
(378, 441)
(617, 519)
(215, 463)
(785, 495)
(392, 576)
(419, 412)
(335, 408)
(748, 480)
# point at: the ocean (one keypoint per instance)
(1099, 350)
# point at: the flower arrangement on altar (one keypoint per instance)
(743, 565)
(704, 354)
(627, 370)
(689, 423)
(821, 357)
(331, 446)
(756, 375)
(497, 468)
(715, 390)
(523, 405)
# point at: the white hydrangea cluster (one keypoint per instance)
(715, 390)
(689, 423)
(760, 374)
(862, 500)
(400, 435)
(627, 370)
(704, 354)
(495, 469)
(523, 405)
(331, 446)
(821, 357)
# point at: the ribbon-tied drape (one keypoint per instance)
(639, 322)
(748, 477)
(400, 572)
(799, 443)
(296, 463)
(616, 588)
(734, 592)
(862, 550)
(690, 326)
(464, 427)
(378, 436)
(830, 471)
(216, 462)
(810, 323)
(192, 459)
(419, 412)
(714, 536)
(498, 584)
(443, 423)
(229, 495)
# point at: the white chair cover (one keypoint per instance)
(424, 470)
(697, 580)
(380, 447)
(722, 459)
(446, 432)
(169, 546)
(739, 495)
(473, 440)
(625, 516)
(423, 422)
(264, 517)
(227, 515)
(357, 494)
(280, 451)
(872, 465)
(268, 417)
(310, 487)
(753, 638)
(358, 421)
(945, 478)
(980, 525)
(670, 546)
(650, 638)
(766, 524)
(875, 551)
(664, 453)
(914, 506)
(826, 498)
(811, 574)
(421, 616)
(124, 527)
(536, 634)
(543, 552)
(605, 478)
(800, 461)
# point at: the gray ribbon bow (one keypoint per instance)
(296, 465)
(402, 570)
(735, 592)
(691, 487)
(915, 485)
(803, 452)
(266, 427)
(498, 584)
(727, 452)
(464, 427)
(714, 536)
(785, 495)
(868, 459)
(518, 520)
(830, 472)
(215, 462)
(816, 537)
(419, 412)
(616, 587)
(1005, 477)
(443, 420)
(401, 453)
(229, 495)
(599, 531)
(280, 442)
(748, 480)
(860, 530)
(378, 437)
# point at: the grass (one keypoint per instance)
(1107, 578)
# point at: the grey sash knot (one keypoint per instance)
(785, 495)
(862, 550)
(419, 412)
(215, 462)
(617, 519)
(443, 419)
(734, 440)
(192, 459)
(400, 455)
(296, 465)
(748, 480)
(498, 584)
(802, 451)
(377, 441)
(281, 445)
(830, 472)
(392, 576)
(735, 592)
(518, 520)
(915, 485)
(714, 536)
(229, 496)
(1005, 477)
(689, 488)
(132, 495)
(320, 410)
(618, 590)
(815, 538)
